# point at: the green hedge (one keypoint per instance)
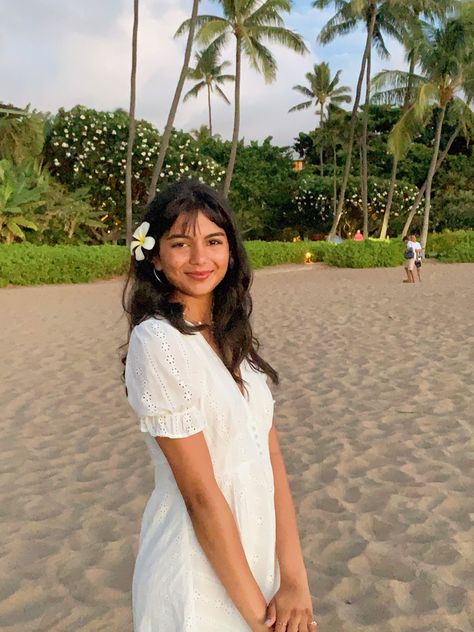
(25, 264)
(452, 246)
(271, 253)
(366, 254)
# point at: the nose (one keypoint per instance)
(197, 254)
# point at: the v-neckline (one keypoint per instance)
(221, 362)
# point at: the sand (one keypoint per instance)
(375, 415)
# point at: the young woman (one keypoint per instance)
(219, 547)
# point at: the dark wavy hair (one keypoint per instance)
(144, 296)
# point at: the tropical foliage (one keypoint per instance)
(89, 148)
(250, 23)
(401, 159)
(209, 75)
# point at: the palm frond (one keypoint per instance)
(222, 94)
(379, 44)
(343, 98)
(401, 136)
(195, 73)
(336, 27)
(223, 78)
(201, 21)
(335, 80)
(260, 57)
(218, 44)
(395, 79)
(460, 112)
(428, 95)
(304, 90)
(280, 35)
(220, 67)
(267, 13)
(195, 90)
(211, 30)
(228, 7)
(412, 120)
(301, 106)
(394, 96)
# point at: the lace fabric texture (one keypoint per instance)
(178, 387)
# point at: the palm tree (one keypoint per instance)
(334, 135)
(377, 15)
(322, 92)
(174, 105)
(250, 22)
(465, 123)
(131, 128)
(209, 74)
(430, 9)
(446, 60)
(202, 134)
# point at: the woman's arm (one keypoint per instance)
(214, 524)
(290, 556)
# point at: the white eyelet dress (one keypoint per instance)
(178, 386)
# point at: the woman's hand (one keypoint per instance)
(291, 610)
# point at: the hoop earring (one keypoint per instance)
(155, 272)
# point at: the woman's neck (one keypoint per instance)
(197, 309)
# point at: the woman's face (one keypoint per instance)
(196, 260)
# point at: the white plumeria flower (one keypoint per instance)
(141, 241)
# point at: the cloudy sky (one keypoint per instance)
(57, 53)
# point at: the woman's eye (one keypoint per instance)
(213, 242)
(178, 244)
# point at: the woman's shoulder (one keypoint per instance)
(156, 327)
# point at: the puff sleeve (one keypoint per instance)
(162, 386)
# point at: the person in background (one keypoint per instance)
(418, 250)
(358, 236)
(413, 252)
(409, 255)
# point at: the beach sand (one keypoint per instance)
(375, 416)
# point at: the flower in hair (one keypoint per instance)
(141, 241)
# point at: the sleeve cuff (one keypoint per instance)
(173, 425)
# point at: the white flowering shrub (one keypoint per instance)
(85, 147)
(314, 203)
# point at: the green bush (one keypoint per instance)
(21, 135)
(270, 253)
(88, 148)
(452, 246)
(313, 208)
(25, 264)
(366, 254)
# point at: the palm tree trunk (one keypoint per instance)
(429, 179)
(365, 169)
(321, 149)
(131, 127)
(235, 134)
(174, 105)
(334, 179)
(347, 167)
(209, 107)
(421, 192)
(388, 206)
(393, 177)
(363, 192)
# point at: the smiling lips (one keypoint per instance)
(199, 276)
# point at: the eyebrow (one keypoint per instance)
(183, 236)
